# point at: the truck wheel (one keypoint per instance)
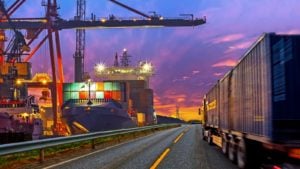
(242, 154)
(224, 144)
(231, 150)
(209, 138)
(203, 135)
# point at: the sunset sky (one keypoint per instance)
(188, 60)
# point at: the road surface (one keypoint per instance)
(178, 148)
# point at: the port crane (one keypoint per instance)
(80, 43)
(52, 23)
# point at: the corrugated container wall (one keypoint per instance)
(224, 102)
(260, 96)
(251, 90)
(212, 106)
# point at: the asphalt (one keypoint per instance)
(189, 152)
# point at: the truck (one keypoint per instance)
(252, 113)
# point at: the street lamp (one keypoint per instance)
(89, 83)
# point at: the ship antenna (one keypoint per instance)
(116, 63)
(125, 59)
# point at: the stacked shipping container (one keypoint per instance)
(98, 90)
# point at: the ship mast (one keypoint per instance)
(125, 59)
(116, 62)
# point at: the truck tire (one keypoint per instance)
(249, 154)
(224, 144)
(242, 154)
(203, 135)
(209, 138)
(231, 150)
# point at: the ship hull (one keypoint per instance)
(82, 119)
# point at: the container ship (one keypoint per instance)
(122, 98)
(19, 114)
(95, 106)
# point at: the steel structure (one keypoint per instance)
(80, 43)
(52, 23)
(4, 14)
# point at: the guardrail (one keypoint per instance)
(12, 148)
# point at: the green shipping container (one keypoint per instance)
(107, 86)
(116, 86)
(67, 87)
(99, 95)
(67, 96)
(74, 95)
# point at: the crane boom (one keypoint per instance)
(103, 23)
(131, 9)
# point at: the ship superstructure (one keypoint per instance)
(137, 78)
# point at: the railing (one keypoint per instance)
(41, 145)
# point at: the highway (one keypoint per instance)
(181, 147)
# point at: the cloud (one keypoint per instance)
(218, 74)
(291, 32)
(243, 45)
(195, 72)
(225, 63)
(228, 38)
(185, 77)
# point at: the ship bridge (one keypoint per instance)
(125, 72)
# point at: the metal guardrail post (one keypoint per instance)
(93, 144)
(42, 155)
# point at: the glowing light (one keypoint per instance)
(147, 67)
(103, 20)
(161, 18)
(18, 82)
(44, 81)
(124, 50)
(25, 114)
(100, 67)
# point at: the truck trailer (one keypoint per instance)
(253, 111)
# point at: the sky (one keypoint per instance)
(188, 60)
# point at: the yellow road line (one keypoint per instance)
(162, 156)
(178, 138)
(187, 129)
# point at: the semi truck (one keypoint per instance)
(252, 113)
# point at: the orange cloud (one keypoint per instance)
(225, 63)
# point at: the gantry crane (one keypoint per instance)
(52, 23)
(80, 43)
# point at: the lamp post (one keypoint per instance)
(89, 84)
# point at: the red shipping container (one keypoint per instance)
(116, 95)
(107, 94)
(83, 95)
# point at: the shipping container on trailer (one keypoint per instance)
(254, 107)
